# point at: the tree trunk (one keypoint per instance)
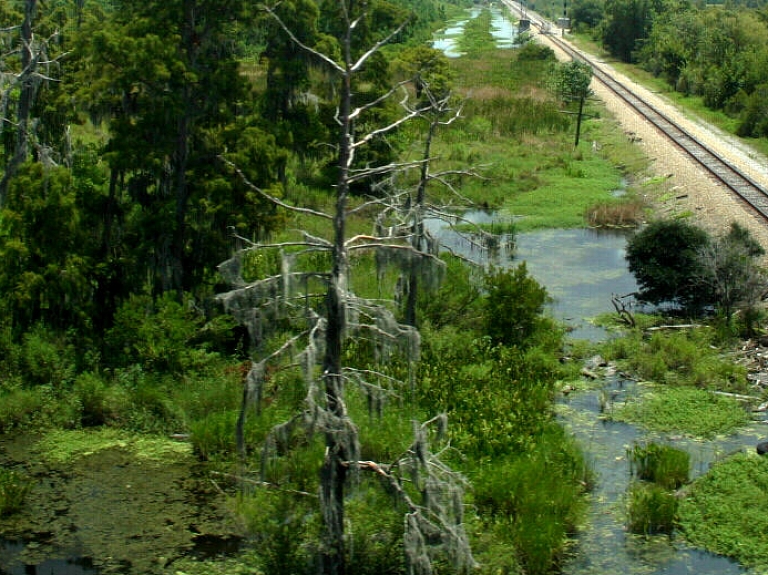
(333, 474)
(27, 93)
(578, 120)
(417, 240)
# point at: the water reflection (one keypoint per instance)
(503, 30)
(581, 268)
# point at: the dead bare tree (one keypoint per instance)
(18, 89)
(327, 314)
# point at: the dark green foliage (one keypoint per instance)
(664, 260)
(47, 251)
(627, 23)
(755, 117)
(535, 51)
(457, 301)
(14, 488)
(585, 14)
(660, 464)
(156, 335)
(513, 306)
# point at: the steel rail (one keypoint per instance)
(744, 187)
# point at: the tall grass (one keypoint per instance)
(14, 488)
(652, 509)
(534, 500)
(661, 464)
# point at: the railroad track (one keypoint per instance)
(740, 184)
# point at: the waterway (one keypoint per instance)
(582, 269)
(503, 30)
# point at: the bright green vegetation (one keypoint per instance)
(682, 369)
(726, 511)
(521, 142)
(64, 446)
(696, 412)
(678, 357)
(651, 509)
(659, 470)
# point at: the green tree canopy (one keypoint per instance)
(664, 258)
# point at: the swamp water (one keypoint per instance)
(118, 515)
(503, 30)
(582, 269)
(112, 510)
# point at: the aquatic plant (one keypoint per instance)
(661, 464)
(14, 488)
(651, 509)
(695, 412)
(726, 510)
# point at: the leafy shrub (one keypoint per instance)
(652, 509)
(14, 488)
(514, 304)
(535, 51)
(663, 257)
(156, 334)
(47, 358)
(660, 464)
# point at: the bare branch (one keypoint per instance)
(377, 46)
(301, 44)
(369, 105)
(270, 197)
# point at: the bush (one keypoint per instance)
(513, 307)
(663, 257)
(156, 335)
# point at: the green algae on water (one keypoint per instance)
(62, 446)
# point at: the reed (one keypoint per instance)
(661, 464)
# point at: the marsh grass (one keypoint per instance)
(617, 214)
(14, 488)
(651, 509)
(661, 464)
(532, 501)
(679, 358)
(515, 133)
